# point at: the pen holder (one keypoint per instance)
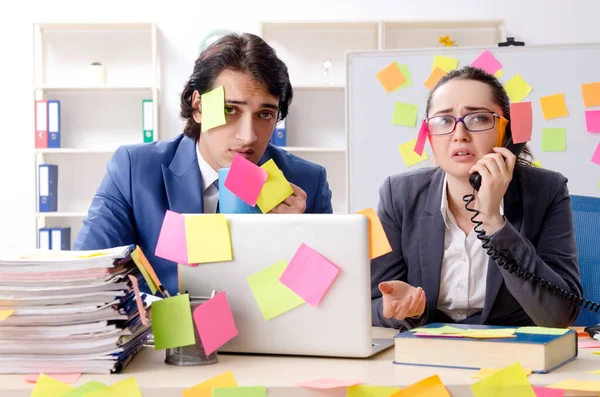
(192, 354)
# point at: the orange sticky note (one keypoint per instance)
(380, 244)
(554, 106)
(434, 77)
(428, 387)
(591, 94)
(391, 77)
(204, 389)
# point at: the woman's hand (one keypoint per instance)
(402, 300)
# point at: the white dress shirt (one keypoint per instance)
(464, 268)
(210, 193)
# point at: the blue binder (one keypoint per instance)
(48, 187)
(53, 124)
(60, 238)
(279, 135)
(44, 238)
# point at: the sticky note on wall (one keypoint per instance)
(521, 118)
(447, 64)
(517, 88)
(405, 114)
(554, 139)
(591, 94)
(391, 77)
(554, 106)
(434, 77)
(592, 120)
(487, 62)
(408, 154)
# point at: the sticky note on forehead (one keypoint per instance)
(213, 109)
(276, 188)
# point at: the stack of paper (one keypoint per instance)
(70, 312)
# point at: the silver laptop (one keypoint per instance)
(340, 326)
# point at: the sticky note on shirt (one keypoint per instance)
(391, 77)
(215, 323)
(521, 119)
(379, 243)
(553, 106)
(213, 109)
(371, 391)
(445, 63)
(172, 322)
(408, 153)
(510, 381)
(592, 120)
(542, 331)
(309, 275)
(85, 389)
(4, 314)
(205, 388)
(487, 62)
(128, 387)
(434, 77)
(207, 238)
(328, 383)
(275, 190)
(591, 94)
(405, 114)
(554, 139)
(171, 244)
(245, 179)
(517, 88)
(47, 386)
(428, 387)
(273, 297)
(243, 391)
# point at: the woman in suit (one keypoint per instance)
(438, 270)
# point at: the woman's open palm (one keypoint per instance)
(402, 300)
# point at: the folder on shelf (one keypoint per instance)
(60, 238)
(41, 124)
(53, 124)
(44, 238)
(148, 120)
(48, 188)
(279, 135)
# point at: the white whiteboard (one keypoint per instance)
(373, 140)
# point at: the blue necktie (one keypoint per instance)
(216, 183)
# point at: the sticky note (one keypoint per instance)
(428, 387)
(245, 179)
(204, 389)
(509, 381)
(138, 299)
(405, 114)
(537, 163)
(591, 94)
(577, 385)
(273, 298)
(408, 154)
(445, 63)
(588, 343)
(136, 256)
(490, 333)
(207, 238)
(172, 322)
(407, 76)
(309, 275)
(596, 155)
(242, 391)
(517, 88)
(446, 329)
(371, 391)
(554, 106)
(127, 387)
(275, 190)
(327, 383)
(421, 138)
(379, 243)
(499, 74)
(434, 77)
(391, 77)
(542, 330)
(487, 62)
(213, 108)
(485, 372)
(47, 386)
(171, 244)
(592, 120)
(65, 378)
(554, 139)
(85, 389)
(4, 314)
(215, 323)
(547, 392)
(521, 120)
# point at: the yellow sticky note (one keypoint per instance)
(371, 391)
(391, 77)
(208, 239)
(445, 63)
(408, 154)
(213, 108)
(47, 386)
(597, 372)
(510, 381)
(591, 94)
(275, 190)
(380, 244)
(517, 88)
(542, 330)
(428, 387)
(85, 389)
(485, 372)
(578, 385)
(434, 77)
(537, 163)
(4, 314)
(490, 333)
(444, 330)
(554, 106)
(127, 387)
(204, 389)
(499, 74)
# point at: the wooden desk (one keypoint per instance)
(280, 374)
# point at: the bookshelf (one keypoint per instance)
(315, 126)
(97, 115)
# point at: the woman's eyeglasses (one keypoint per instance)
(474, 122)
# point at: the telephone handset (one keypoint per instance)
(505, 260)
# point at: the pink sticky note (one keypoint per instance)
(548, 392)
(592, 120)
(521, 121)
(309, 275)
(214, 322)
(245, 179)
(420, 144)
(138, 299)
(487, 62)
(171, 243)
(588, 343)
(65, 378)
(326, 383)
(596, 156)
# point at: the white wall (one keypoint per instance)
(182, 25)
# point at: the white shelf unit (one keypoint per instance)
(315, 125)
(95, 119)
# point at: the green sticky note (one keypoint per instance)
(407, 75)
(83, 390)
(446, 329)
(517, 88)
(124, 388)
(510, 381)
(213, 108)
(371, 391)
(554, 139)
(47, 386)
(445, 63)
(243, 391)
(405, 114)
(542, 331)
(273, 297)
(172, 322)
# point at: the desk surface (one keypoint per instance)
(279, 374)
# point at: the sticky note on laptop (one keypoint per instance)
(379, 243)
(207, 238)
(276, 188)
(215, 323)
(245, 179)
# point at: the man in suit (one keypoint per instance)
(143, 181)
